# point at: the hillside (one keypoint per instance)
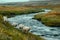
(31, 3)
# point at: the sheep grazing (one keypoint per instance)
(23, 28)
(47, 10)
(5, 18)
(26, 29)
(20, 26)
(14, 24)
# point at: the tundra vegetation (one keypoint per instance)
(11, 11)
(7, 31)
(49, 19)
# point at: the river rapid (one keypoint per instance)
(37, 28)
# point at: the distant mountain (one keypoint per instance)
(40, 0)
(31, 3)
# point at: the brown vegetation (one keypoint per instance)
(50, 18)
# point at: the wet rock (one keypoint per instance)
(42, 35)
(56, 35)
(52, 29)
(33, 31)
(33, 18)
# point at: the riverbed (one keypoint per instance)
(37, 28)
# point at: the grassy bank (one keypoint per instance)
(9, 10)
(49, 19)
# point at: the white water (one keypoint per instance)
(49, 33)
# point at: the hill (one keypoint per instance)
(31, 3)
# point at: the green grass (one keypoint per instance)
(51, 21)
(9, 13)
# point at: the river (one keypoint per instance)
(49, 33)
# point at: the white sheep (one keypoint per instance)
(5, 18)
(23, 28)
(26, 29)
(20, 26)
(47, 10)
(14, 24)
